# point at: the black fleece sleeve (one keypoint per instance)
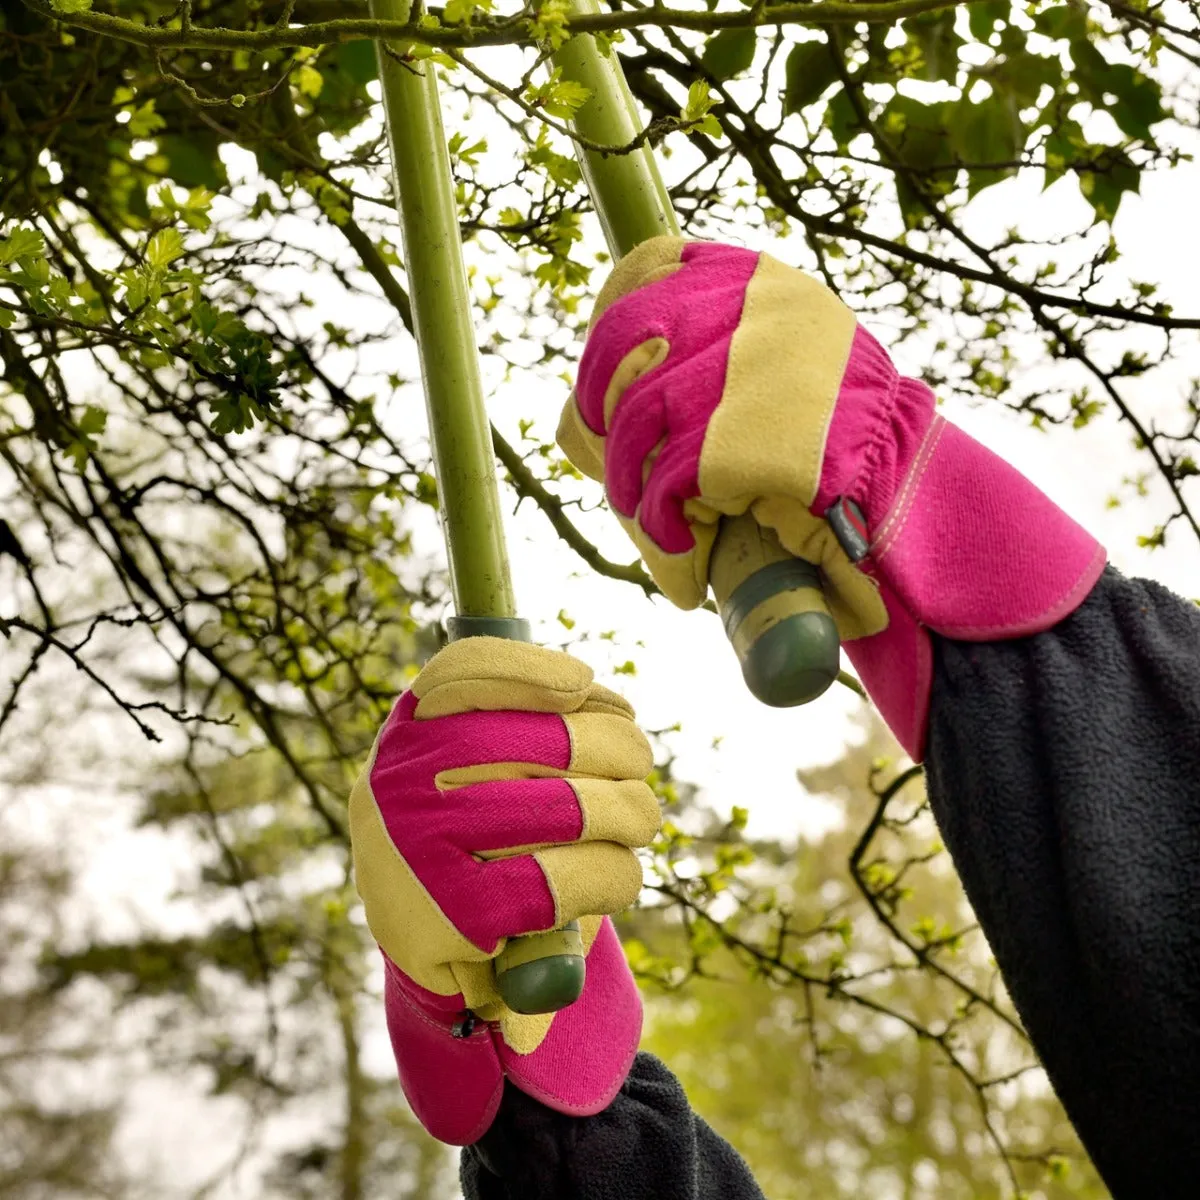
(647, 1145)
(1064, 772)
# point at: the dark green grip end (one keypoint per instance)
(793, 662)
(542, 972)
(774, 614)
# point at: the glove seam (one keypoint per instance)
(897, 518)
(860, 486)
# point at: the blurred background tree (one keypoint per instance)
(832, 1009)
(215, 508)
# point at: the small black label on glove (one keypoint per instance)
(465, 1025)
(850, 528)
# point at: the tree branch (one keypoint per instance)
(506, 31)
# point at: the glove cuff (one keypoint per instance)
(975, 551)
(449, 1071)
(971, 550)
(453, 1072)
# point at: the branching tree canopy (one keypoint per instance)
(211, 476)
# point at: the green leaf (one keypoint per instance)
(1064, 145)
(233, 414)
(809, 72)
(463, 11)
(1104, 187)
(1023, 76)
(1061, 21)
(565, 98)
(699, 101)
(21, 243)
(562, 169)
(729, 53)
(1152, 541)
(934, 34)
(144, 122)
(467, 154)
(982, 18)
(7, 317)
(841, 119)
(309, 81)
(917, 133)
(164, 248)
(92, 421)
(1138, 100)
(358, 60)
(67, 7)
(989, 131)
(153, 359)
(426, 491)
(1058, 1167)
(194, 161)
(550, 23)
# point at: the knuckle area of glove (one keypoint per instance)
(495, 674)
(622, 811)
(592, 878)
(654, 260)
(604, 700)
(414, 932)
(505, 694)
(606, 746)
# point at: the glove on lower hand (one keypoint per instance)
(502, 797)
(716, 380)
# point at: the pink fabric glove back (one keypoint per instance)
(503, 796)
(717, 380)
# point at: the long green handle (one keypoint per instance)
(771, 603)
(541, 972)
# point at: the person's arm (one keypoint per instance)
(1064, 772)
(647, 1145)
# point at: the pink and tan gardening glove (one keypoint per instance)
(716, 380)
(503, 796)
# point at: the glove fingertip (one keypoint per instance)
(584, 448)
(644, 264)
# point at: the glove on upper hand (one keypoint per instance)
(717, 380)
(502, 797)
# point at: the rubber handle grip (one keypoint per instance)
(538, 972)
(774, 614)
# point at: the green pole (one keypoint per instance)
(631, 199)
(771, 603)
(468, 497)
(541, 972)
